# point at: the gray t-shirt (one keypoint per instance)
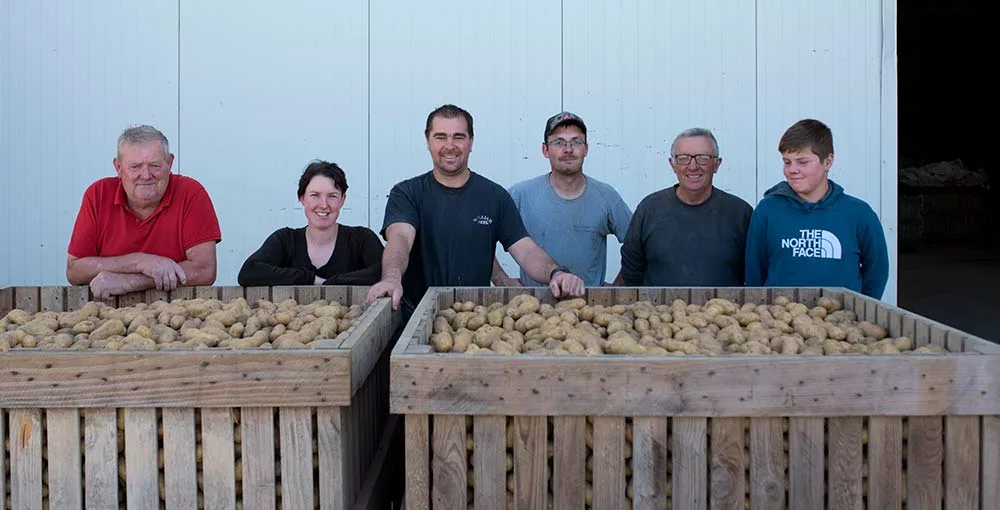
(574, 232)
(672, 244)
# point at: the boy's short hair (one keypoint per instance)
(807, 134)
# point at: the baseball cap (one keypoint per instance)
(563, 119)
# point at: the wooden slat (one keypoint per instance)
(76, 297)
(991, 462)
(227, 294)
(649, 463)
(282, 293)
(463, 294)
(767, 463)
(255, 294)
(651, 294)
(790, 293)
(489, 466)
(295, 425)
(734, 294)
(569, 464)
(923, 333)
(701, 295)
(179, 465)
(218, 458)
(809, 295)
(26, 298)
(625, 295)
(728, 480)
(805, 462)
(601, 296)
(925, 454)
(332, 471)
(418, 328)
(206, 292)
(418, 462)
(181, 293)
(885, 457)
(26, 458)
(961, 462)
(7, 300)
(530, 462)
(672, 293)
(845, 464)
(174, 379)
(871, 310)
(690, 466)
(258, 444)
(493, 295)
(131, 299)
(609, 462)
(101, 458)
(954, 340)
(895, 319)
(724, 386)
(449, 466)
(378, 489)
(53, 299)
(908, 328)
(153, 295)
(64, 457)
(142, 486)
(756, 295)
(358, 294)
(306, 295)
(336, 293)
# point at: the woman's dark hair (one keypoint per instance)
(326, 169)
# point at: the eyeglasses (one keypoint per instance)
(701, 159)
(559, 143)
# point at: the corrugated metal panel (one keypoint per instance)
(74, 75)
(264, 90)
(498, 60)
(640, 72)
(258, 91)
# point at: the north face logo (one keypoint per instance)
(814, 243)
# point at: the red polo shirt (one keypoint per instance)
(106, 227)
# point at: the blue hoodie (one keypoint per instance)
(836, 242)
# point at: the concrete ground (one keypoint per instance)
(955, 286)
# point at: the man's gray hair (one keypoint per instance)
(694, 132)
(136, 135)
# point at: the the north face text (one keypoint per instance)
(813, 243)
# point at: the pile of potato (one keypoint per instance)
(719, 327)
(181, 324)
(627, 471)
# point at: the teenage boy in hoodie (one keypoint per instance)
(806, 232)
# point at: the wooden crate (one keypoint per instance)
(706, 432)
(275, 428)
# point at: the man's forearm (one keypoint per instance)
(81, 271)
(394, 262)
(132, 282)
(539, 266)
(196, 274)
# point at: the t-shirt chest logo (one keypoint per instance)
(813, 243)
(483, 219)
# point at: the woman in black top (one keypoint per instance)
(323, 252)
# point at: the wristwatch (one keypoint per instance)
(557, 269)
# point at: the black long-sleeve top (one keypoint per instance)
(283, 259)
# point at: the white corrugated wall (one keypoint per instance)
(248, 92)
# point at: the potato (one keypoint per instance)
(442, 341)
(462, 340)
(872, 330)
(528, 322)
(818, 312)
(514, 338)
(108, 329)
(623, 343)
(829, 303)
(486, 335)
(475, 322)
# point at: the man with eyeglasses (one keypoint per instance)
(691, 234)
(442, 227)
(569, 214)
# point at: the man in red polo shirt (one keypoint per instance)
(146, 228)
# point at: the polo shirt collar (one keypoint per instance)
(121, 199)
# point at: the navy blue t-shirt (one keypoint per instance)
(457, 230)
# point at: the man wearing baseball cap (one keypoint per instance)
(569, 214)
